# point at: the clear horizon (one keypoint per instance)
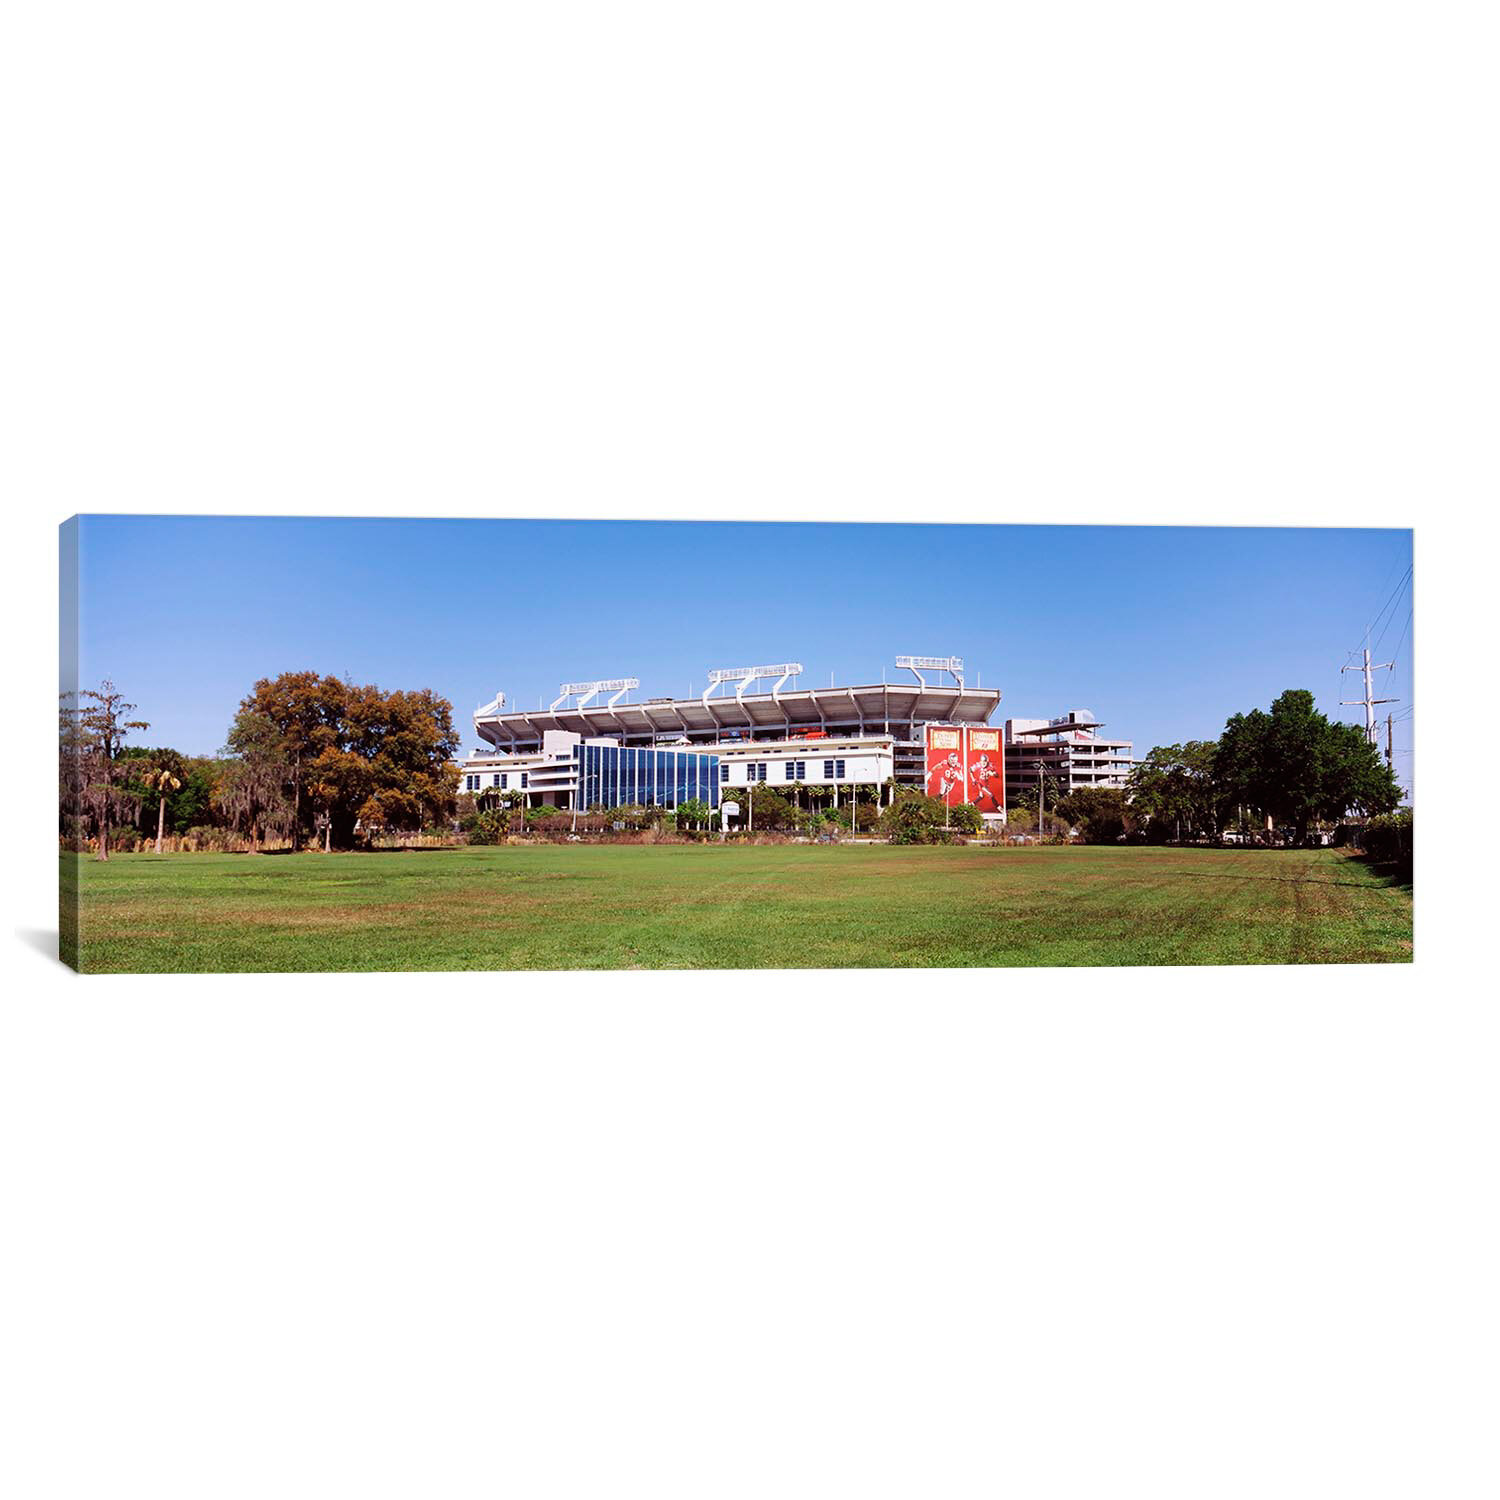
(1163, 632)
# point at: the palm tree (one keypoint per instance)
(161, 782)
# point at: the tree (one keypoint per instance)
(192, 803)
(94, 741)
(1026, 809)
(164, 778)
(770, 809)
(1175, 786)
(1296, 766)
(305, 709)
(693, 813)
(252, 792)
(1101, 812)
(395, 758)
(354, 754)
(71, 772)
(1020, 820)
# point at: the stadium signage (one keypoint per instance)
(965, 764)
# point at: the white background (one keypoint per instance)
(1165, 1232)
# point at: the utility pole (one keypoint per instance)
(1369, 700)
(1390, 754)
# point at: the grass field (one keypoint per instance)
(708, 906)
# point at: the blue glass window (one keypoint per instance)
(617, 776)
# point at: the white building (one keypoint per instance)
(839, 762)
(1068, 750)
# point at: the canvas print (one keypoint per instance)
(715, 744)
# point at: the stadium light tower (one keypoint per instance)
(587, 690)
(952, 665)
(746, 675)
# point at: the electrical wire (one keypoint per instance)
(1379, 593)
(1396, 654)
(1395, 596)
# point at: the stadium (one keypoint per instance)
(592, 747)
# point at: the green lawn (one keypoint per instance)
(710, 906)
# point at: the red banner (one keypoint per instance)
(986, 766)
(966, 764)
(945, 763)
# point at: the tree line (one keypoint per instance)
(317, 759)
(308, 758)
(1290, 768)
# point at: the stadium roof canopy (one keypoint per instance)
(1084, 726)
(873, 709)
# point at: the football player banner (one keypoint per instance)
(985, 763)
(966, 764)
(945, 764)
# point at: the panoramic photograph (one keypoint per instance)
(386, 744)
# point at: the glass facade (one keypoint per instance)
(639, 775)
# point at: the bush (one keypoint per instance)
(489, 827)
(965, 818)
(1387, 840)
(915, 818)
(214, 840)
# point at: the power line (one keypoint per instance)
(1396, 654)
(1390, 620)
(1395, 596)
(1395, 563)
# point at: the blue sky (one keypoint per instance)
(1161, 631)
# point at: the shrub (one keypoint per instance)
(915, 818)
(965, 818)
(1387, 839)
(489, 828)
(216, 840)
